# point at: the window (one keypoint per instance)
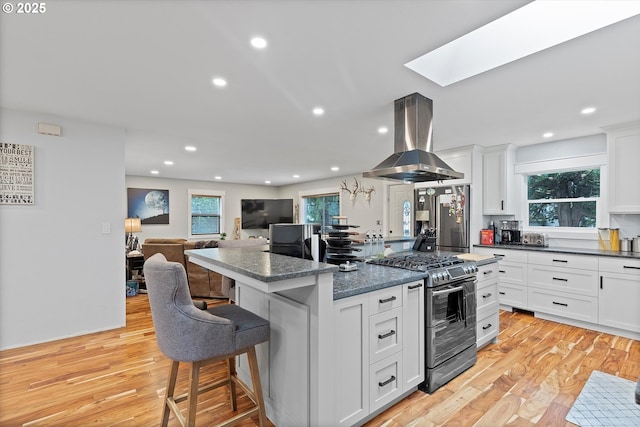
(406, 219)
(320, 209)
(205, 213)
(564, 199)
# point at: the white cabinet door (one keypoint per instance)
(413, 339)
(351, 316)
(619, 293)
(497, 182)
(618, 301)
(624, 152)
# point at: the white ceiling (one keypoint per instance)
(147, 66)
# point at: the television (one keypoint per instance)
(259, 213)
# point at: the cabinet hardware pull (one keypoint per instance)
(560, 279)
(498, 255)
(502, 205)
(601, 279)
(383, 301)
(501, 271)
(561, 303)
(419, 285)
(631, 266)
(387, 335)
(560, 260)
(486, 295)
(488, 272)
(501, 293)
(487, 326)
(390, 380)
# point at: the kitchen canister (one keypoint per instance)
(636, 244)
(614, 239)
(626, 244)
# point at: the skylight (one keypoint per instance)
(534, 27)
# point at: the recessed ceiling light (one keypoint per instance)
(168, 162)
(536, 26)
(588, 110)
(258, 42)
(219, 81)
(296, 176)
(547, 134)
(318, 111)
(383, 129)
(267, 182)
(217, 177)
(335, 168)
(155, 172)
(190, 148)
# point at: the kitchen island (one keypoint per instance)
(325, 364)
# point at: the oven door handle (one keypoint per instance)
(447, 291)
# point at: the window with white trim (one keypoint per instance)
(205, 213)
(567, 199)
(320, 208)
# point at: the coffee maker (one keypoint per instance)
(510, 232)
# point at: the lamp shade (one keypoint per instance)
(132, 225)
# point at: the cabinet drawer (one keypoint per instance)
(512, 295)
(488, 326)
(572, 306)
(385, 299)
(386, 334)
(487, 295)
(581, 262)
(385, 381)
(510, 255)
(620, 265)
(487, 273)
(582, 282)
(512, 273)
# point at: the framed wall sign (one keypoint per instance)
(16, 174)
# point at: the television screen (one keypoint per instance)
(259, 213)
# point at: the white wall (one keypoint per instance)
(60, 275)
(179, 204)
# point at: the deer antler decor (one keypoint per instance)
(367, 192)
(352, 193)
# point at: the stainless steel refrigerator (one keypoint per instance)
(445, 209)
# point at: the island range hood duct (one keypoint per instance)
(413, 159)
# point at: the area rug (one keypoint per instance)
(606, 400)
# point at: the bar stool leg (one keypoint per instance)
(192, 400)
(257, 386)
(231, 362)
(171, 385)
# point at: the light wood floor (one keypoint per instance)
(117, 378)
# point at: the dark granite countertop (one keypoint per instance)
(261, 265)
(575, 251)
(268, 267)
(369, 277)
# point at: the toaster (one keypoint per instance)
(534, 239)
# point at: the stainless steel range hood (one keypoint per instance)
(413, 159)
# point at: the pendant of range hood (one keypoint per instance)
(413, 159)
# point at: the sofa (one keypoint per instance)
(203, 283)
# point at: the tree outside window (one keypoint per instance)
(564, 199)
(321, 209)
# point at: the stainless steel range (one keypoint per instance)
(450, 313)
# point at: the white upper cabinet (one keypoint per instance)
(460, 161)
(623, 145)
(498, 181)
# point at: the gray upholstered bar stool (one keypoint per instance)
(186, 333)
